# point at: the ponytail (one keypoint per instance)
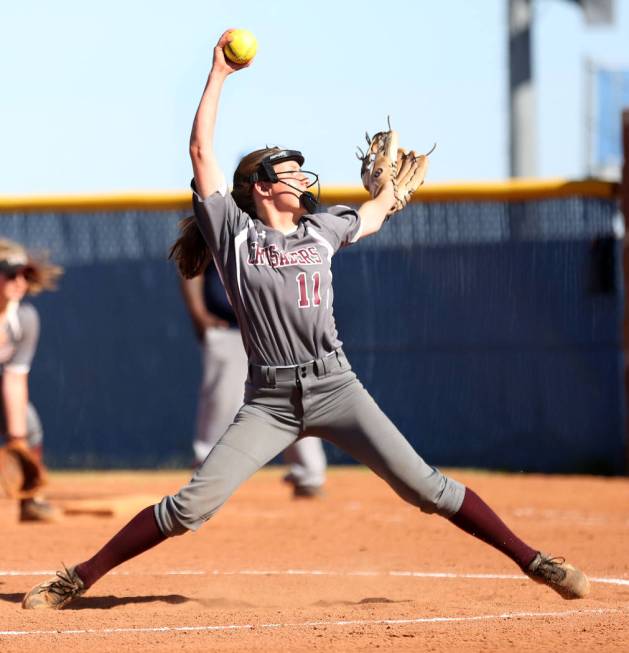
(190, 251)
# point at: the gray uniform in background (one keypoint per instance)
(300, 383)
(18, 342)
(222, 391)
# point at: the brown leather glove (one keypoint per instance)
(384, 161)
(21, 472)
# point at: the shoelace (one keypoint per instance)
(62, 587)
(550, 568)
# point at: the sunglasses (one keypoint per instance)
(12, 272)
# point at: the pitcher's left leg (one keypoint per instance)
(358, 426)
(349, 418)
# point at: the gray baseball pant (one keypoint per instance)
(322, 398)
(221, 395)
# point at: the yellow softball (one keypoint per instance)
(242, 46)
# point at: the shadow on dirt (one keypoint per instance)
(107, 602)
(369, 599)
(12, 598)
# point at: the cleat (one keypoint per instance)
(38, 510)
(559, 575)
(303, 491)
(55, 593)
(307, 491)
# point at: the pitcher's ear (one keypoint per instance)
(262, 187)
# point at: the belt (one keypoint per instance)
(268, 375)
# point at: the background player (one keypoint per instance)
(274, 254)
(21, 274)
(224, 363)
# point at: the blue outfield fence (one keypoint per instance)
(489, 331)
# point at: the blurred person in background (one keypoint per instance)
(22, 274)
(225, 369)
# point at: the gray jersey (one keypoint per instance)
(18, 338)
(280, 285)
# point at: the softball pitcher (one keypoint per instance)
(273, 249)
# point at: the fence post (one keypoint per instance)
(624, 206)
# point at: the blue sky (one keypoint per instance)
(99, 97)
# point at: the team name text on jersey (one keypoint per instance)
(278, 258)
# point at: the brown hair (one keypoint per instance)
(39, 273)
(190, 251)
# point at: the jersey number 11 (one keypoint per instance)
(302, 284)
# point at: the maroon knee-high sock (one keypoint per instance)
(139, 535)
(477, 518)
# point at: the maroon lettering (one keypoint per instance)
(305, 256)
(304, 301)
(279, 258)
(316, 257)
(304, 295)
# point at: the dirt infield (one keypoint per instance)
(355, 570)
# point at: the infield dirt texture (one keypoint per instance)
(357, 570)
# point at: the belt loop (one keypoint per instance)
(272, 376)
(338, 357)
(249, 373)
(319, 367)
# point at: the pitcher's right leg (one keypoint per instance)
(249, 443)
(255, 438)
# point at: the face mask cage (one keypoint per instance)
(297, 176)
(265, 172)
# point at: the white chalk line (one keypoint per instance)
(316, 572)
(315, 624)
(569, 516)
